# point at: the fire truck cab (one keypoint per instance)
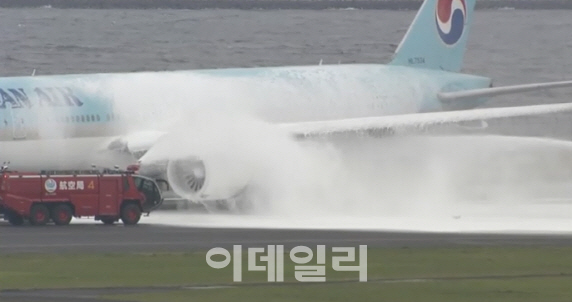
(58, 196)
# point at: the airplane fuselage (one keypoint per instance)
(100, 105)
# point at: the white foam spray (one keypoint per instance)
(466, 183)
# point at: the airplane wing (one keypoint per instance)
(138, 143)
(490, 92)
(417, 121)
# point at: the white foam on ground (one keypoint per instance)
(437, 184)
(464, 224)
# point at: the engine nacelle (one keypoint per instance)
(200, 179)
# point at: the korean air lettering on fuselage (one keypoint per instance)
(48, 110)
(46, 97)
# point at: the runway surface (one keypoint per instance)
(92, 237)
(151, 238)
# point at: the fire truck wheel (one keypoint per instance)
(62, 214)
(130, 214)
(39, 214)
(15, 219)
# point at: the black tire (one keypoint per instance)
(130, 214)
(62, 214)
(39, 214)
(15, 218)
(108, 221)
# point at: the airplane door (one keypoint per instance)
(108, 196)
(18, 124)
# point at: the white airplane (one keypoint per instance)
(65, 121)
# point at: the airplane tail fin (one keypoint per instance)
(437, 38)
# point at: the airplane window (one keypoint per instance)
(92, 118)
(97, 117)
(83, 118)
(73, 119)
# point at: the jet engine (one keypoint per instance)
(200, 179)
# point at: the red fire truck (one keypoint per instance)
(60, 195)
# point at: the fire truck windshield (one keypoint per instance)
(150, 189)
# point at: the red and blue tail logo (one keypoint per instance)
(450, 16)
(437, 38)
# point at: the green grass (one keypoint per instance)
(114, 270)
(522, 290)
